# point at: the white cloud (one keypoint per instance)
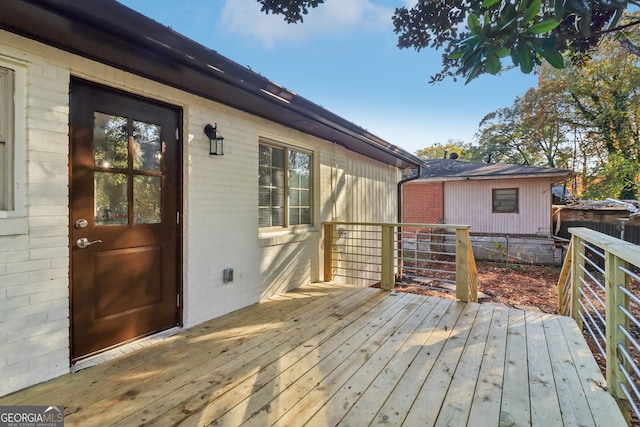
(244, 18)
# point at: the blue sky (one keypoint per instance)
(344, 58)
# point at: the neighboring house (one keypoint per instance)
(616, 218)
(507, 206)
(115, 220)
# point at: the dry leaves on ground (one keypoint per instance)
(516, 285)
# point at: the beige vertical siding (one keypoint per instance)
(469, 202)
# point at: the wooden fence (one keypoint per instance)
(631, 232)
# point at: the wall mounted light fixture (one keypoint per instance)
(216, 141)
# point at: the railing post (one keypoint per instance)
(462, 264)
(329, 242)
(577, 253)
(387, 275)
(563, 283)
(614, 277)
(473, 275)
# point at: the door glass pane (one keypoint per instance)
(147, 199)
(110, 146)
(110, 203)
(148, 146)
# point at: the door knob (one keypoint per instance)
(83, 242)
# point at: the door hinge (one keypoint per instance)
(178, 217)
(177, 133)
(178, 300)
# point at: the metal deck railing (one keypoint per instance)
(599, 287)
(389, 254)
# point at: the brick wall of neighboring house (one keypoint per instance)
(423, 202)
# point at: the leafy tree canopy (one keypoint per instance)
(462, 150)
(476, 35)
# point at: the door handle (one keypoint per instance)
(83, 242)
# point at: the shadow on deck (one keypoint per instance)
(329, 355)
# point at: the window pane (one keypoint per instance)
(271, 191)
(294, 216)
(277, 217)
(304, 197)
(277, 197)
(264, 197)
(148, 146)
(284, 186)
(505, 200)
(305, 216)
(6, 138)
(299, 173)
(294, 198)
(277, 178)
(264, 178)
(3, 175)
(110, 145)
(147, 199)
(264, 217)
(110, 199)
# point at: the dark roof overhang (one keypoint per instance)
(109, 32)
(437, 170)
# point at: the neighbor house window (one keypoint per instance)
(284, 186)
(7, 109)
(505, 200)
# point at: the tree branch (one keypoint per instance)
(628, 44)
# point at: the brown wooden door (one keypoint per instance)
(125, 181)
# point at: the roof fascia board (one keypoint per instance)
(496, 177)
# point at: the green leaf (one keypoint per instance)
(474, 23)
(509, 24)
(548, 50)
(486, 27)
(524, 5)
(514, 55)
(456, 54)
(544, 26)
(532, 12)
(474, 73)
(502, 52)
(553, 57)
(524, 58)
(489, 3)
(508, 13)
(492, 64)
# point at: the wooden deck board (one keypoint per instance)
(485, 408)
(329, 355)
(545, 405)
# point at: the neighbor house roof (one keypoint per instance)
(111, 33)
(456, 170)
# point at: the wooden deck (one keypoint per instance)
(334, 355)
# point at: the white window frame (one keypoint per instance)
(312, 187)
(15, 168)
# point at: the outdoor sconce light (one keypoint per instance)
(216, 141)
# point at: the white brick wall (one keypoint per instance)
(34, 300)
(220, 217)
